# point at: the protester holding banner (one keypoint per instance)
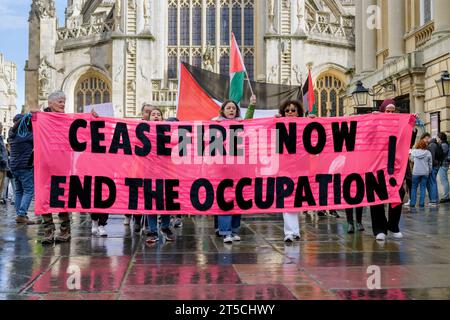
(421, 170)
(22, 168)
(227, 226)
(146, 110)
(291, 109)
(381, 225)
(56, 103)
(152, 220)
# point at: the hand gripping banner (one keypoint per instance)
(124, 166)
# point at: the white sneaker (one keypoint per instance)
(94, 229)
(102, 231)
(381, 237)
(397, 235)
(407, 204)
(228, 239)
(127, 221)
(289, 238)
(236, 237)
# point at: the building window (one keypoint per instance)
(329, 101)
(91, 89)
(187, 31)
(426, 11)
(173, 26)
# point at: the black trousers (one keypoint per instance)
(379, 222)
(102, 218)
(349, 214)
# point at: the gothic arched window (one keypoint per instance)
(187, 32)
(329, 100)
(92, 88)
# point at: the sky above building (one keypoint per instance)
(14, 36)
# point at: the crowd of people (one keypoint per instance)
(429, 159)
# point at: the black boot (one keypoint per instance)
(360, 226)
(351, 228)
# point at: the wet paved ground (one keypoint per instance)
(326, 264)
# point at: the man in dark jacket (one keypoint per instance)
(22, 170)
(3, 159)
(443, 171)
(56, 103)
(432, 187)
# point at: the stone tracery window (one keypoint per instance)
(196, 24)
(92, 88)
(328, 93)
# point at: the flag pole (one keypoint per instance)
(249, 83)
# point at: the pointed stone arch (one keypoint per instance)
(330, 86)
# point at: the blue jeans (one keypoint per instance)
(229, 224)
(422, 182)
(153, 222)
(24, 180)
(432, 186)
(443, 175)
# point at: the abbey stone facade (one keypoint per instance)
(127, 51)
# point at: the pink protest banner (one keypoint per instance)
(107, 165)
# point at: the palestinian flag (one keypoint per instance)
(309, 100)
(237, 72)
(200, 94)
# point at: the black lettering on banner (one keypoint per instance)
(337, 189)
(324, 180)
(121, 134)
(195, 199)
(143, 151)
(162, 139)
(56, 191)
(74, 143)
(200, 141)
(307, 137)
(378, 186)
(221, 202)
(241, 202)
(236, 140)
(288, 139)
(359, 196)
(184, 140)
(172, 195)
(99, 203)
(303, 193)
(216, 142)
(270, 193)
(80, 191)
(284, 187)
(157, 194)
(97, 136)
(133, 194)
(341, 134)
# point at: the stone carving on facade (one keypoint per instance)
(131, 46)
(132, 4)
(298, 74)
(208, 58)
(272, 78)
(143, 76)
(300, 17)
(131, 85)
(271, 15)
(147, 16)
(118, 15)
(116, 77)
(43, 9)
(45, 75)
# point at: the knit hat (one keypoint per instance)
(386, 103)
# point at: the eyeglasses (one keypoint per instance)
(389, 111)
(292, 110)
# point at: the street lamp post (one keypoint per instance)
(443, 84)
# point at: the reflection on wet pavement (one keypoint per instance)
(326, 263)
